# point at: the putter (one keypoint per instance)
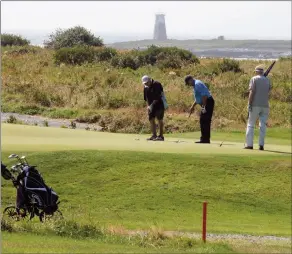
(143, 126)
(190, 114)
(224, 140)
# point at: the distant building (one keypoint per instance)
(160, 28)
(221, 38)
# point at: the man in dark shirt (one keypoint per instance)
(153, 91)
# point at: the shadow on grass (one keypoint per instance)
(271, 151)
(227, 144)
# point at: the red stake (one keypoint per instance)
(204, 231)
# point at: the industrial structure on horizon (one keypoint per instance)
(160, 28)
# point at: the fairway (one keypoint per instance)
(113, 182)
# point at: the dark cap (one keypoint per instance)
(187, 78)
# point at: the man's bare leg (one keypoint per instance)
(153, 127)
(161, 126)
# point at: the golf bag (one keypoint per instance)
(36, 191)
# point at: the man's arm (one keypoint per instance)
(250, 97)
(145, 96)
(251, 91)
(158, 94)
(144, 91)
(251, 94)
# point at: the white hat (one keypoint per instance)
(259, 68)
(145, 79)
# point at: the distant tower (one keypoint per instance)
(160, 28)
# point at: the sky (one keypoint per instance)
(184, 20)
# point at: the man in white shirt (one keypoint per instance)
(258, 107)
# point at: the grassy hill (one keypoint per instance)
(112, 97)
(274, 45)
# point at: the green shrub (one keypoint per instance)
(75, 56)
(45, 123)
(41, 97)
(116, 103)
(28, 109)
(229, 65)
(12, 119)
(76, 36)
(88, 118)
(73, 125)
(165, 57)
(125, 61)
(13, 40)
(6, 226)
(172, 62)
(22, 50)
(60, 113)
(154, 53)
(74, 230)
(105, 54)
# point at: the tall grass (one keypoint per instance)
(33, 82)
(152, 240)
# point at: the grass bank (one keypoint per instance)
(33, 84)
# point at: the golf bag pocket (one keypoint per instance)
(164, 100)
(40, 194)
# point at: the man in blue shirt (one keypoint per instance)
(204, 98)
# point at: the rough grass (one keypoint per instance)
(28, 243)
(32, 83)
(32, 243)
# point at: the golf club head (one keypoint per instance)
(13, 156)
(23, 158)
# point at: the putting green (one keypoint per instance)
(24, 138)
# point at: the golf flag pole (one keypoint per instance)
(204, 229)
